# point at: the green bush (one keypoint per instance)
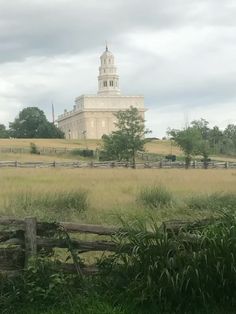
(183, 273)
(215, 202)
(42, 289)
(83, 152)
(38, 285)
(155, 197)
(34, 149)
(57, 201)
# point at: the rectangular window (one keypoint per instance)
(105, 83)
(111, 83)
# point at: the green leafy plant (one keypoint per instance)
(187, 272)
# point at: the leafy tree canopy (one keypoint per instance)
(32, 123)
(129, 137)
(200, 139)
(188, 140)
(3, 131)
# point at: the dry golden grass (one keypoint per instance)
(112, 191)
(155, 146)
(163, 148)
(93, 144)
(159, 147)
(33, 157)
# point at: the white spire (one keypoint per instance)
(108, 80)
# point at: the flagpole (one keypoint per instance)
(53, 116)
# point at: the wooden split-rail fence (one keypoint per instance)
(114, 164)
(22, 240)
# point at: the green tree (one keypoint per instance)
(204, 150)
(215, 139)
(3, 131)
(230, 134)
(188, 140)
(202, 126)
(129, 137)
(32, 123)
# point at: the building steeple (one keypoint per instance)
(108, 80)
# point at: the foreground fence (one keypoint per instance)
(112, 164)
(21, 241)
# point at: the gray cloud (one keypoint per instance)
(180, 54)
(34, 28)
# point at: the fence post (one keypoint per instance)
(226, 165)
(30, 239)
(16, 164)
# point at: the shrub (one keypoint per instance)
(215, 201)
(171, 157)
(42, 289)
(34, 149)
(83, 152)
(39, 285)
(104, 156)
(155, 197)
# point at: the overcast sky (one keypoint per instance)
(179, 54)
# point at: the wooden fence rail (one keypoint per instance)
(21, 240)
(114, 164)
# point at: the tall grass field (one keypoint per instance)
(110, 192)
(189, 272)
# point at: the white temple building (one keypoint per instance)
(93, 115)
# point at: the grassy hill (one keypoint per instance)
(159, 147)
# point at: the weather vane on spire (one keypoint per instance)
(106, 46)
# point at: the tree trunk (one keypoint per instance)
(133, 157)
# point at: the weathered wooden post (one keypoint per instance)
(30, 239)
(226, 165)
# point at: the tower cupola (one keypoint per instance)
(108, 80)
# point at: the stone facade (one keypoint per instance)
(93, 115)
